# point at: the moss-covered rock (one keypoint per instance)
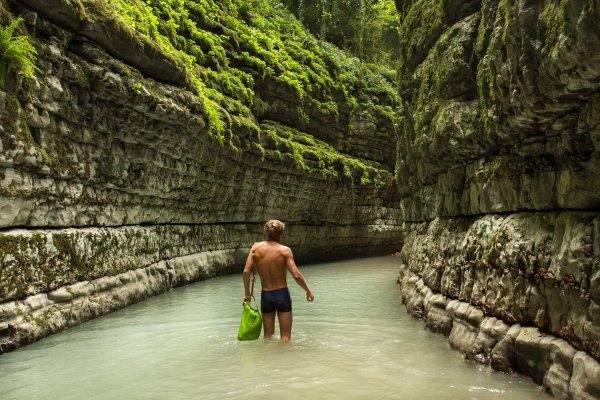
(507, 86)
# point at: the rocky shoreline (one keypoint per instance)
(564, 371)
(502, 288)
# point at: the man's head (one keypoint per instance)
(274, 229)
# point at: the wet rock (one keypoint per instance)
(37, 302)
(502, 356)
(520, 268)
(552, 362)
(437, 319)
(585, 379)
(559, 374)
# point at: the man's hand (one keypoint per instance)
(310, 296)
(245, 298)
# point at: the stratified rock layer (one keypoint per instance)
(112, 189)
(532, 268)
(499, 175)
(502, 114)
(565, 371)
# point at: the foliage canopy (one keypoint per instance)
(367, 28)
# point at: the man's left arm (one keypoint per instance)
(296, 274)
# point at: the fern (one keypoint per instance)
(16, 53)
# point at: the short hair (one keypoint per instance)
(274, 229)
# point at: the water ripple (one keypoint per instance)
(354, 342)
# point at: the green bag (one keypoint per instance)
(251, 323)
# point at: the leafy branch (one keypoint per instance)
(16, 53)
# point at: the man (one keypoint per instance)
(272, 261)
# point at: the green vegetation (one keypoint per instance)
(16, 52)
(422, 23)
(232, 48)
(66, 244)
(310, 154)
(238, 57)
(366, 28)
(554, 16)
(18, 271)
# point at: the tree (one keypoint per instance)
(367, 28)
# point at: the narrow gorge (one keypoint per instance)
(149, 147)
(114, 188)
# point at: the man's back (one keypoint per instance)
(270, 260)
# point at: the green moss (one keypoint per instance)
(66, 244)
(486, 73)
(312, 155)
(422, 23)
(503, 14)
(18, 272)
(482, 37)
(10, 247)
(40, 318)
(9, 122)
(227, 47)
(554, 16)
(431, 102)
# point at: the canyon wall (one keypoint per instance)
(499, 178)
(113, 188)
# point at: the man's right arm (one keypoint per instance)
(296, 274)
(247, 268)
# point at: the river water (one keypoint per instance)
(355, 341)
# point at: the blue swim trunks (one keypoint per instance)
(275, 300)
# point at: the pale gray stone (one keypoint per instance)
(60, 295)
(37, 301)
(585, 380)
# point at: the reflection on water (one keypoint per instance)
(355, 341)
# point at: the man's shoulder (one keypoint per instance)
(285, 250)
(265, 245)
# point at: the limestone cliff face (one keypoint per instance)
(502, 110)
(113, 190)
(499, 175)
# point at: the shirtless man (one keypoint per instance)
(272, 261)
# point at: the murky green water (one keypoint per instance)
(354, 342)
